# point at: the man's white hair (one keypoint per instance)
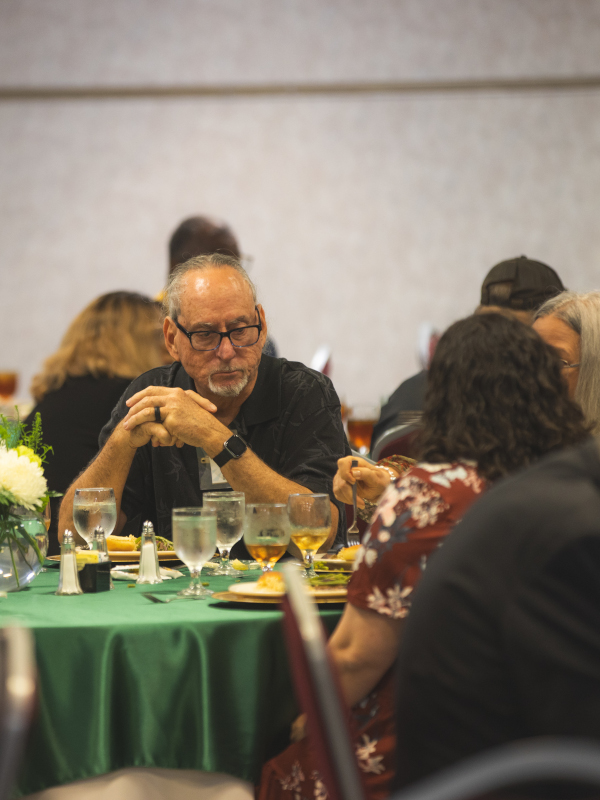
(172, 298)
(581, 312)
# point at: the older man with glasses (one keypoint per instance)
(222, 415)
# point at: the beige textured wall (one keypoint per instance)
(366, 212)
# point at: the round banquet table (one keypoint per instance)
(127, 682)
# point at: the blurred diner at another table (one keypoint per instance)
(516, 287)
(114, 339)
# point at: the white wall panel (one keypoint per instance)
(365, 216)
(116, 42)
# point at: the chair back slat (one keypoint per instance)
(319, 694)
(17, 699)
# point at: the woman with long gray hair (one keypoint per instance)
(570, 322)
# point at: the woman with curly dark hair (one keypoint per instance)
(496, 401)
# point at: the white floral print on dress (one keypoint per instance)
(320, 790)
(394, 605)
(291, 783)
(367, 761)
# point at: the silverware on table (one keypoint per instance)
(352, 534)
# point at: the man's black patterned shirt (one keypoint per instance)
(292, 421)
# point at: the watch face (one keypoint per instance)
(236, 445)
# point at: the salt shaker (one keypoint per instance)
(149, 571)
(68, 583)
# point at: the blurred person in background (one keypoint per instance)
(495, 402)
(516, 287)
(202, 236)
(114, 339)
(570, 322)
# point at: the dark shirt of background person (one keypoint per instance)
(114, 339)
(502, 641)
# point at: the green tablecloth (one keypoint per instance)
(126, 682)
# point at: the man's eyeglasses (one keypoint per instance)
(565, 364)
(211, 340)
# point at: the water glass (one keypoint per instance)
(195, 541)
(229, 508)
(266, 532)
(93, 508)
(310, 523)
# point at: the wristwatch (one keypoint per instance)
(234, 447)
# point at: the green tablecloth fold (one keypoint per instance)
(126, 682)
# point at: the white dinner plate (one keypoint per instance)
(251, 590)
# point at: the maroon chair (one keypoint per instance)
(318, 692)
(398, 441)
(17, 700)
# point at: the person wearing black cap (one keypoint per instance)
(516, 287)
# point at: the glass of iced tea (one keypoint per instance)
(8, 385)
(310, 522)
(361, 420)
(266, 532)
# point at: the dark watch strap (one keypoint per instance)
(234, 447)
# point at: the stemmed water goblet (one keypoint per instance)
(195, 541)
(229, 509)
(93, 508)
(310, 522)
(266, 532)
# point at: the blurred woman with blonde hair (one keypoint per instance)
(114, 339)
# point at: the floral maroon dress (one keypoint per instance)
(412, 518)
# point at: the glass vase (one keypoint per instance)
(19, 559)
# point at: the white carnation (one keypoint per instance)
(22, 478)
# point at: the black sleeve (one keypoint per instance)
(553, 638)
(314, 440)
(138, 487)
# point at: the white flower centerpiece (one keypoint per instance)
(23, 497)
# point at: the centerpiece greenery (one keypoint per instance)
(22, 485)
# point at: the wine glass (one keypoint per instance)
(195, 541)
(229, 508)
(310, 522)
(267, 532)
(93, 508)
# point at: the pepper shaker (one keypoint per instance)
(99, 545)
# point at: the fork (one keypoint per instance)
(352, 534)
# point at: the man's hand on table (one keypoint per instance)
(186, 418)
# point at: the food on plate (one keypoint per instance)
(162, 544)
(333, 566)
(348, 553)
(334, 579)
(121, 543)
(237, 564)
(84, 557)
(271, 582)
